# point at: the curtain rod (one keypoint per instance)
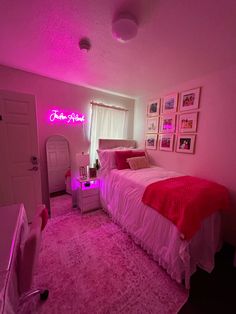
(107, 106)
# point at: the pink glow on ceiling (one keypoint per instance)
(72, 118)
(175, 42)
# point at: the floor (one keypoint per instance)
(90, 266)
(210, 293)
(216, 292)
(60, 205)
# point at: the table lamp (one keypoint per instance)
(82, 161)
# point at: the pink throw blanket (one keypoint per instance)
(186, 201)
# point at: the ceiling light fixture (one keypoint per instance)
(84, 44)
(125, 27)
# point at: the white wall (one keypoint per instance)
(215, 149)
(52, 93)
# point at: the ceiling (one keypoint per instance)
(177, 40)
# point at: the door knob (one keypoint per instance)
(34, 160)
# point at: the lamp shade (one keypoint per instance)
(82, 160)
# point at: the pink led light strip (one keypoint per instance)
(70, 118)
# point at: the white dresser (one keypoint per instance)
(88, 196)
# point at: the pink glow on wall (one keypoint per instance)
(57, 115)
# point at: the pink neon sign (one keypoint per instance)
(68, 118)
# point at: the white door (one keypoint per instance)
(58, 162)
(20, 180)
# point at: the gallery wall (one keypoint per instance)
(215, 147)
(52, 93)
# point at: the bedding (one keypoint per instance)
(186, 201)
(121, 196)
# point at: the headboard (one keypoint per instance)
(113, 143)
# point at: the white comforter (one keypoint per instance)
(121, 194)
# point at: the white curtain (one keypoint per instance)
(106, 123)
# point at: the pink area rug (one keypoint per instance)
(60, 205)
(90, 265)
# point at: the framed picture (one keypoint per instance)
(188, 122)
(152, 125)
(153, 108)
(167, 123)
(151, 141)
(169, 103)
(185, 143)
(166, 142)
(189, 100)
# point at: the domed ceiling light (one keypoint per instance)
(84, 44)
(125, 27)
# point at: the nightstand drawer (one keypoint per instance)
(88, 195)
(89, 192)
(89, 203)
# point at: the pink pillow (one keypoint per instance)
(138, 153)
(121, 157)
(136, 163)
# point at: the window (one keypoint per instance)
(107, 122)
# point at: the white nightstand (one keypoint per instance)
(88, 197)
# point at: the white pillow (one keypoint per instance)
(107, 158)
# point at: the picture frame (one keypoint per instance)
(186, 143)
(166, 142)
(189, 100)
(151, 141)
(153, 108)
(152, 125)
(188, 122)
(170, 103)
(167, 123)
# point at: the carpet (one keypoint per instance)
(90, 265)
(60, 205)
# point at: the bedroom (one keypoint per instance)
(179, 48)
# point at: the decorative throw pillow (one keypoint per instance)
(138, 163)
(120, 158)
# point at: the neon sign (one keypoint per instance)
(67, 118)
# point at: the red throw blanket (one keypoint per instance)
(186, 201)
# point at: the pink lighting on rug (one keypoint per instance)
(57, 115)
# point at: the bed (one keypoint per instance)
(121, 194)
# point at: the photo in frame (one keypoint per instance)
(186, 143)
(153, 108)
(167, 123)
(151, 141)
(166, 142)
(189, 100)
(188, 122)
(152, 125)
(169, 104)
